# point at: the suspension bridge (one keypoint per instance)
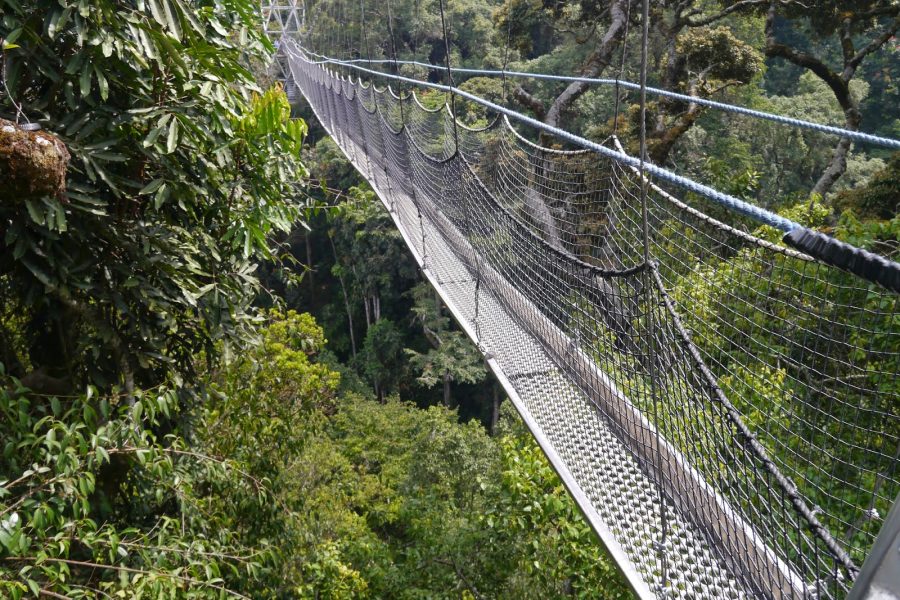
(716, 384)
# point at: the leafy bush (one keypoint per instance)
(179, 172)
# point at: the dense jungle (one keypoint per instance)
(222, 373)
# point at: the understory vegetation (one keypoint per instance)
(222, 374)
(284, 483)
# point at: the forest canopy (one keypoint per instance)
(222, 373)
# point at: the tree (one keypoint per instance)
(607, 23)
(132, 229)
(857, 28)
(369, 253)
(691, 57)
(701, 62)
(452, 357)
(175, 181)
(382, 356)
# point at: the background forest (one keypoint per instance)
(221, 373)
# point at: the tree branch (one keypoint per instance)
(462, 577)
(530, 102)
(881, 11)
(720, 15)
(595, 64)
(875, 44)
(807, 61)
(93, 565)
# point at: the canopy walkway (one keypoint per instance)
(726, 413)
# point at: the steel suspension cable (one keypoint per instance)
(857, 136)
(622, 68)
(449, 78)
(655, 399)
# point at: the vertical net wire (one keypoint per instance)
(776, 437)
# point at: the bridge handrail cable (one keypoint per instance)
(858, 136)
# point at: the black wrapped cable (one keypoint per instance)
(863, 263)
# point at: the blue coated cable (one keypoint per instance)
(857, 136)
(739, 206)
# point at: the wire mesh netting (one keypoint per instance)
(729, 409)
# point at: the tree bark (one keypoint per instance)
(664, 140)
(447, 388)
(368, 312)
(495, 409)
(596, 63)
(529, 101)
(346, 301)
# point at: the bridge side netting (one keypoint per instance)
(755, 386)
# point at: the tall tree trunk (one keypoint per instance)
(495, 409)
(309, 266)
(447, 388)
(346, 300)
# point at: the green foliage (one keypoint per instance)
(719, 55)
(452, 357)
(455, 357)
(94, 504)
(382, 355)
(401, 502)
(258, 399)
(880, 199)
(328, 166)
(179, 173)
(782, 163)
(416, 27)
(489, 88)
